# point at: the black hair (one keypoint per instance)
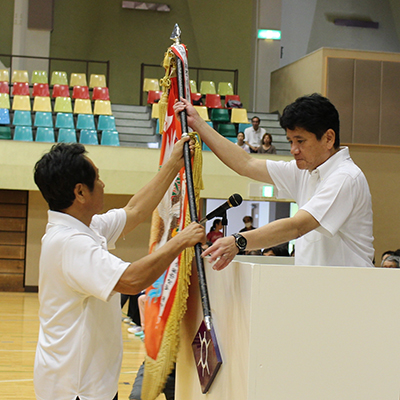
(315, 114)
(279, 251)
(248, 217)
(266, 134)
(255, 117)
(215, 223)
(58, 172)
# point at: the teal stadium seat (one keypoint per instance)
(88, 136)
(242, 127)
(5, 133)
(4, 116)
(67, 135)
(45, 135)
(65, 120)
(22, 118)
(23, 133)
(228, 130)
(85, 121)
(106, 123)
(110, 138)
(44, 119)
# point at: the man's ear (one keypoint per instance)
(330, 138)
(79, 192)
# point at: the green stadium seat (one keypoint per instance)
(220, 115)
(227, 130)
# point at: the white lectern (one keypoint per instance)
(297, 332)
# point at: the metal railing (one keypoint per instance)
(52, 59)
(197, 70)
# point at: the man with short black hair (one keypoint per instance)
(334, 223)
(79, 349)
(253, 135)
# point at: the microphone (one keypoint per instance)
(233, 201)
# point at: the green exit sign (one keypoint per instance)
(269, 34)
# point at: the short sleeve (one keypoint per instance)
(110, 225)
(89, 269)
(285, 177)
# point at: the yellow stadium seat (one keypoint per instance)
(59, 78)
(102, 107)
(155, 111)
(4, 75)
(4, 100)
(193, 86)
(77, 80)
(150, 84)
(97, 81)
(203, 112)
(225, 88)
(39, 77)
(207, 87)
(82, 106)
(239, 116)
(63, 105)
(22, 103)
(42, 104)
(20, 76)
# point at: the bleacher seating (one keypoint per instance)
(20, 89)
(60, 90)
(4, 100)
(4, 75)
(100, 93)
(213, 101)
(20, 76)
(39, 77)
(207, 87)
(225, 88)
(23, 133)
(97, 81)
(59, 78)
(63, 104)
(21, 103)
(67, 135)
(4, 116)
(4, 88)
(45, 135)
(65, 120)
(43, 119)
(88, 136)
(77, 79)
(40, 89)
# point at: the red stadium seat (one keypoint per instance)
(80, 92)
(153, 96)
(100, 93)
(213, 101)
(195, 97)
(20, 89)
(4, 88)
(61, 91)
(231, 97)
(40, 89)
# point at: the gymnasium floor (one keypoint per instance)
(19, 327)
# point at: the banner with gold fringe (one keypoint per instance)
(166, 299)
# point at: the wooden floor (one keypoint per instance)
(19, 326)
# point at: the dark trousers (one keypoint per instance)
(115, 398)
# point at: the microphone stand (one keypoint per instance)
(224, 223)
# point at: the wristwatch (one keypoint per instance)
(240, 241)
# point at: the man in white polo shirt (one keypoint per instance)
(334, 223)
(254, 134)
(79, 349)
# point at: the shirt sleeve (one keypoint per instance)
(285, 177)
(89, 269)
(332, 204)
(110, 225)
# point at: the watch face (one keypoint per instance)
(241, 241)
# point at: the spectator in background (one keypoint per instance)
(240, 142)
(277, 251)
(391, 261)
(387, 254)
(215, 231)
(248, 223)
(266, 145)
(254, 134)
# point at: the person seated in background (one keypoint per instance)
(254, 134)
(248, 223)
(253, 253)
(386, 254)
(266, 145)
(215, 231)
(240, 142)
(277, 251)
(391, 261)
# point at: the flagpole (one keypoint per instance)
(205, 301)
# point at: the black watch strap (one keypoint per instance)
(240, 241)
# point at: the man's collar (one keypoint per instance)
(332, 162)
(60, 218)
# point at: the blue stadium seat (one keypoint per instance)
(43, 119)
(242, 127)
(88, 136)
(45, 135)
(85, 121)
(65, 120)
(23, 133)
(22, 118)
(110, 138)
(4, 116)
(106, 123)
(67, 135)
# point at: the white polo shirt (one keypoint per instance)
(79, 350)
(337, 195)
(254, 137)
